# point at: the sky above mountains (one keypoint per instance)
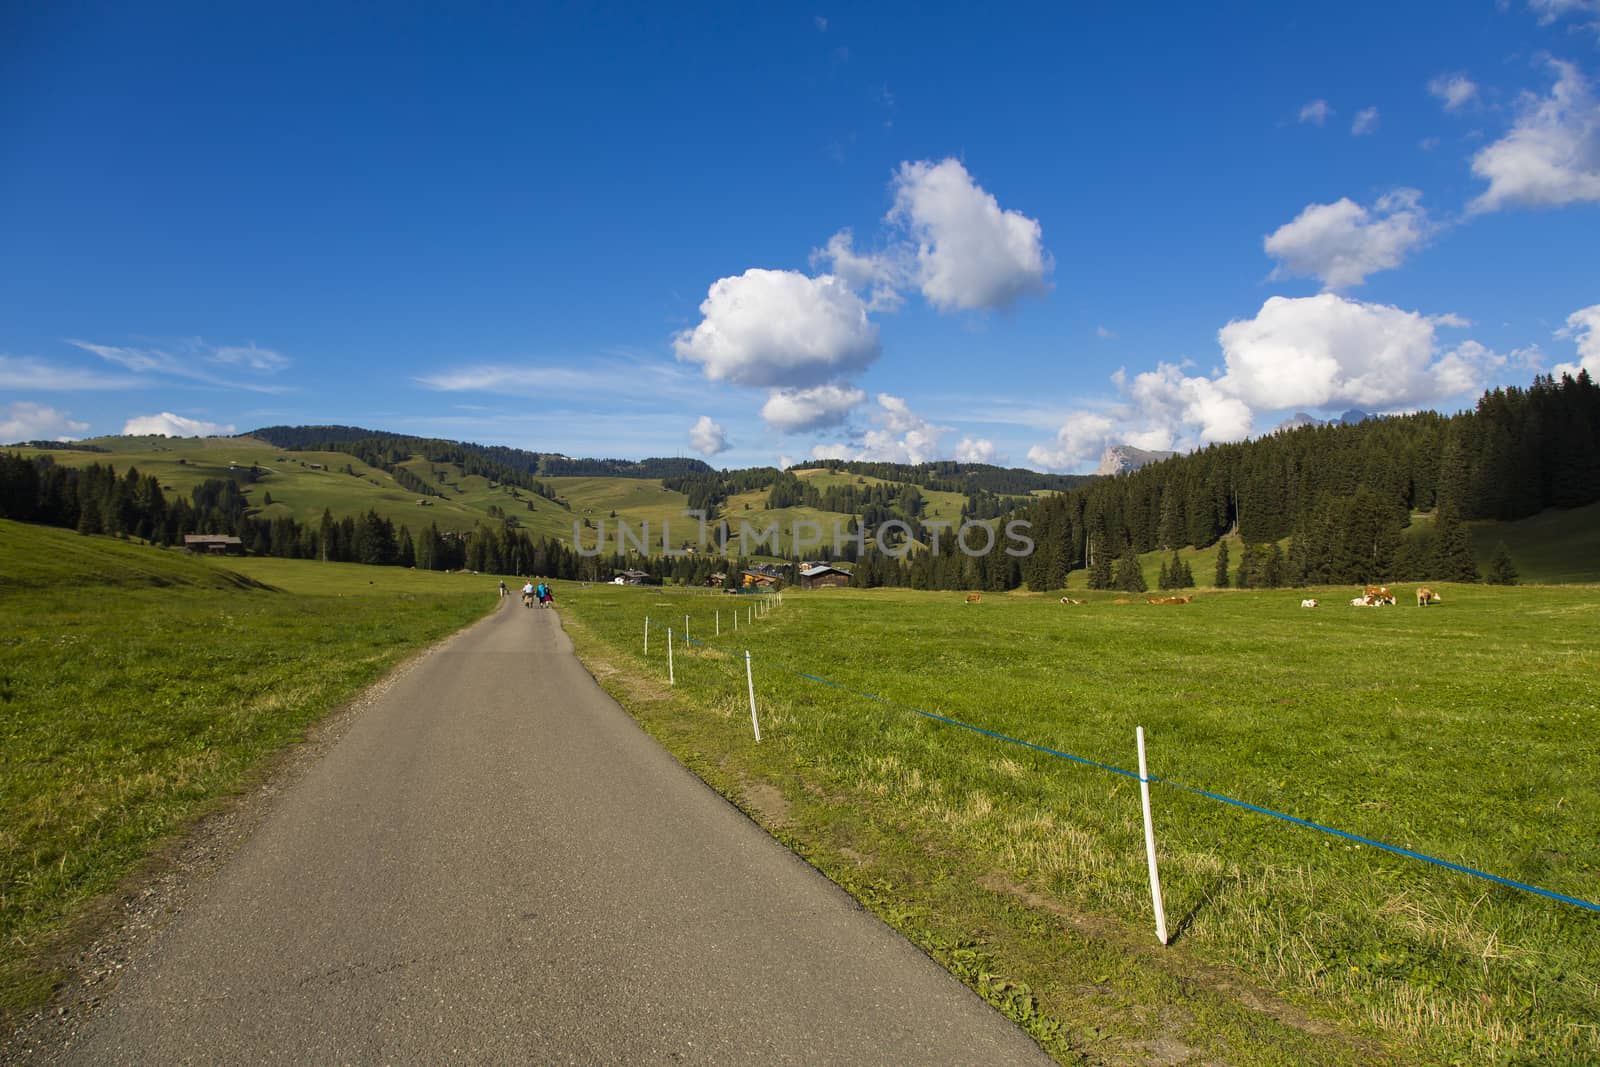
(1011, 236)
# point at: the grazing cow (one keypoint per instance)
(1169, 600)
(1426, 597)
(973, 598)
(1308, 603)
(1069, 600)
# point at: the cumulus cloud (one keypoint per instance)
(1325, 351)
(1551, 156)
(1082, 437)
(1165, 398)
(901, 436)
(796, 410)
(167, 424)
(971, 254)
(780, 329)
(1456, 91)
(1316, 112)
(977, 450)
(1343, 242)
(24, 420)
(1583, 327)
(880, 274)
(707, 437)
(1365, 122)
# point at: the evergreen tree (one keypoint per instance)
(1272, 570)
(1164, 579)
(1501, 572)
(1453, 557)
(1130, 576)
(1221, 579)
(1100, 570)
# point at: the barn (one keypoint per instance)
(823, 576)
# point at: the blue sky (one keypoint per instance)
(1014, 235)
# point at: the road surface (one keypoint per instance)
(495, 864)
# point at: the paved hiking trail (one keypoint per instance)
(495, 864)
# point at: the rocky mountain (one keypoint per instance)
(1118, 459)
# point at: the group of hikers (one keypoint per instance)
(543, 593)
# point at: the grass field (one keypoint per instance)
(139, 685)
(1465, 731)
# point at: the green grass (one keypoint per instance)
(137, 686)
(1465, 731)
(1553, 546)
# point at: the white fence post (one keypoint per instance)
(719, 623)
(735, 620)
(1150, 844)
(670, 679)
(686, 631)
(750, 680)
(647, 635)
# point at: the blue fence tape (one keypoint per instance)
(1395, 849)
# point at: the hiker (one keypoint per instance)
(503, 590)
(527, 595)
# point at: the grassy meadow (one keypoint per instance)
(1465, 731)
(137, 686)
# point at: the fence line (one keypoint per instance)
(1219, 797)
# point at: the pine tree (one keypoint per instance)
(1501, 572)
(1272, 570)
(1100, 570)
(1221, 579)
(1453, 560)
(1164, 579)
(1130, 576)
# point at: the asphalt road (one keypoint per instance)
(496, 865)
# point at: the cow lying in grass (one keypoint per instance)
(1169, 600)
(1069, 600)
(1308, 603)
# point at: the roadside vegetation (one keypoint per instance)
(1465, 731)
(138, 686)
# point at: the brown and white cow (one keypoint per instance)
(973, 598)
(1069, 600)
(1168, 600)
(1378, 594)
(1426, 597)
(1308, 603)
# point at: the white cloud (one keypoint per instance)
(25, 372)
(977, 450)
(1428, 144)
(902, 436)
(264, 359)
(1365, 122)
(1583, 327)
(779, 328)
(1082, 437)
(1165, 400)
(192, 360)
(707, 437)
(591, 378)
(167, 424)
(1551, 10)
(1552, 154)
(796, 410)
(971, 254)
(1316, 112)
(1105, 334)
(882, 274)
(1455, 90)
(821, 23)
(1326, 351)
(1343, 242)
(24, 420)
